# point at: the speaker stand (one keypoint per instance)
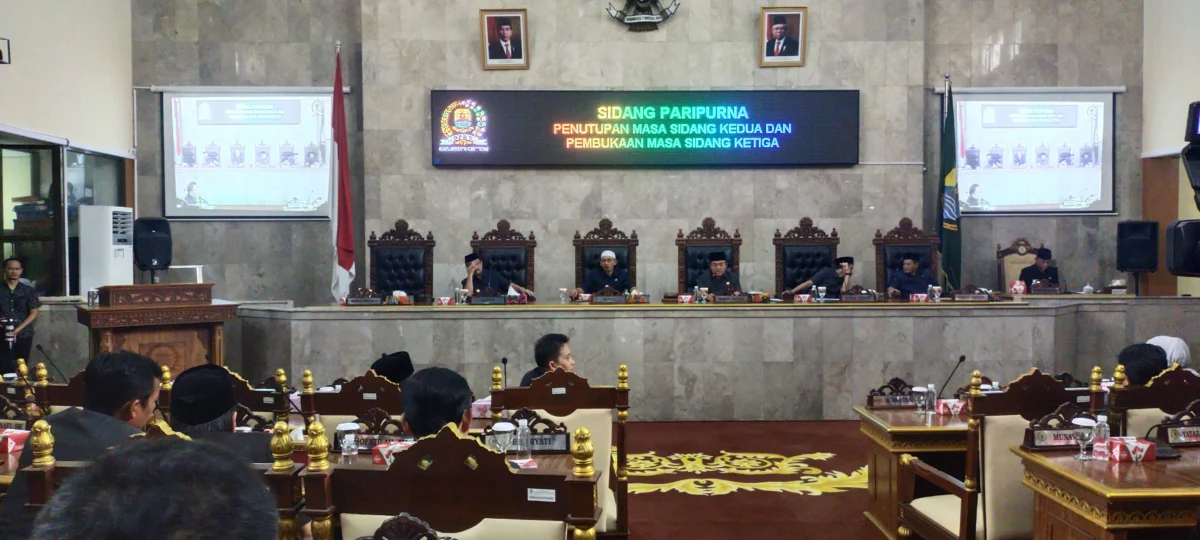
(153, 277)
(1136, 284)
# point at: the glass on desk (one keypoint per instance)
(562, 296)
(821, 293)
(703, 297)
(920, 398)
(936, 292)
(347, 436)
(1084, 430)
(502, 436)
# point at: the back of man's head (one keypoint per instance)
(548, 348)
(164, 488)
(202, 400)
(111, 380)
(434, 397)
(1142, 362)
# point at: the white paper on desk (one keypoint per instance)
(512, 291)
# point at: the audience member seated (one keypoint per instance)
(719, 280)
(550, 352)
(835, 279)
(608, 275)
(203, 407)
(1040, 270)
(1142, 362)
(161, 488)
(119, 397)
(1176, 349)
(434, 397)
(911, 280)
(395, 367)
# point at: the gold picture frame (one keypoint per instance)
(493, 53)
(788, 49)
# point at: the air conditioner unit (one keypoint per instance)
(105, 246)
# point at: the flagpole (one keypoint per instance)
(945, 94)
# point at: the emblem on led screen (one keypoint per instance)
(463, 125)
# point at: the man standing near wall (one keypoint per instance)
(19, 305)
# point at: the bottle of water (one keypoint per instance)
(521, 449)
(931, 396)
(1100, 439)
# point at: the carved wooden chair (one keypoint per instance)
(990, 502)
(56, 397)
(566, 398)
(45, 474)
(259, 409)
(904, 239)
(508, 252)
(369, 400)
(801, 252)
(588, 248)
(1133, 410)
(1011, 260)
(697, 244)
(20, 406)
(433, 477)
(402, 260)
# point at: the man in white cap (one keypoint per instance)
(608, 275)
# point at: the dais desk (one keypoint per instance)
(720, 361)
(1078, 500)
(940, 441)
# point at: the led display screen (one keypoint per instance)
(478, 128)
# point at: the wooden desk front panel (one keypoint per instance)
(1053, 521)
(177, 347)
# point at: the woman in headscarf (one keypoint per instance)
(1176, 349)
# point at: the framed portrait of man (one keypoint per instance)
(504, 37)
(783, 33)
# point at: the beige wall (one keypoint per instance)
(1171, 78)
(72, 70)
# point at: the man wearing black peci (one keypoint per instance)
(719, 279)
(781, 44)
(1041, 271)
(835, 279)
(506, 48)
(19, 305)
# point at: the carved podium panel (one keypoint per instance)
(176, 325)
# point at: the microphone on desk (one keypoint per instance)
(504, 360)
(52, 364)
(961, 359)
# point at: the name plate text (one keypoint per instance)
(364, 301)
(1188, 434)
(614, 299)
(488, 301)
(1046, 290)
(971, 298)
(858, 298)
(730, 299)
(1054, 437)
(900, 400)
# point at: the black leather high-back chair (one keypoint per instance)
(402, 260)
(905, 239)
(588, 248)
(696, 245)
(508, 252)
(801, 252)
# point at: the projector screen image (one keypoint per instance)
(796, 128)
(246, 156)
(1035, 153)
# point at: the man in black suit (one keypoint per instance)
(506, 49)
(119, 396)
(781, 44)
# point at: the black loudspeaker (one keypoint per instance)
(1183, 248)
(1137, 246)
(152, 243)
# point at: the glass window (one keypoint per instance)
(91, 180)
(27, 213)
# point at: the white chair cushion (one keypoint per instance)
(1139, 421)
(945, 511)
(55, 409)
(1007, 504)
(600, 423)
(358, 525)
(1013, 264)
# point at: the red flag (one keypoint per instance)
(339, 170)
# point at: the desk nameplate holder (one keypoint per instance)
(613, 299)
(364, 301)
(971, 298)
(730, 299)
(858, 298)
(1055, 430)
(488, 301)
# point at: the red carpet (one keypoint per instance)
(747, 480)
